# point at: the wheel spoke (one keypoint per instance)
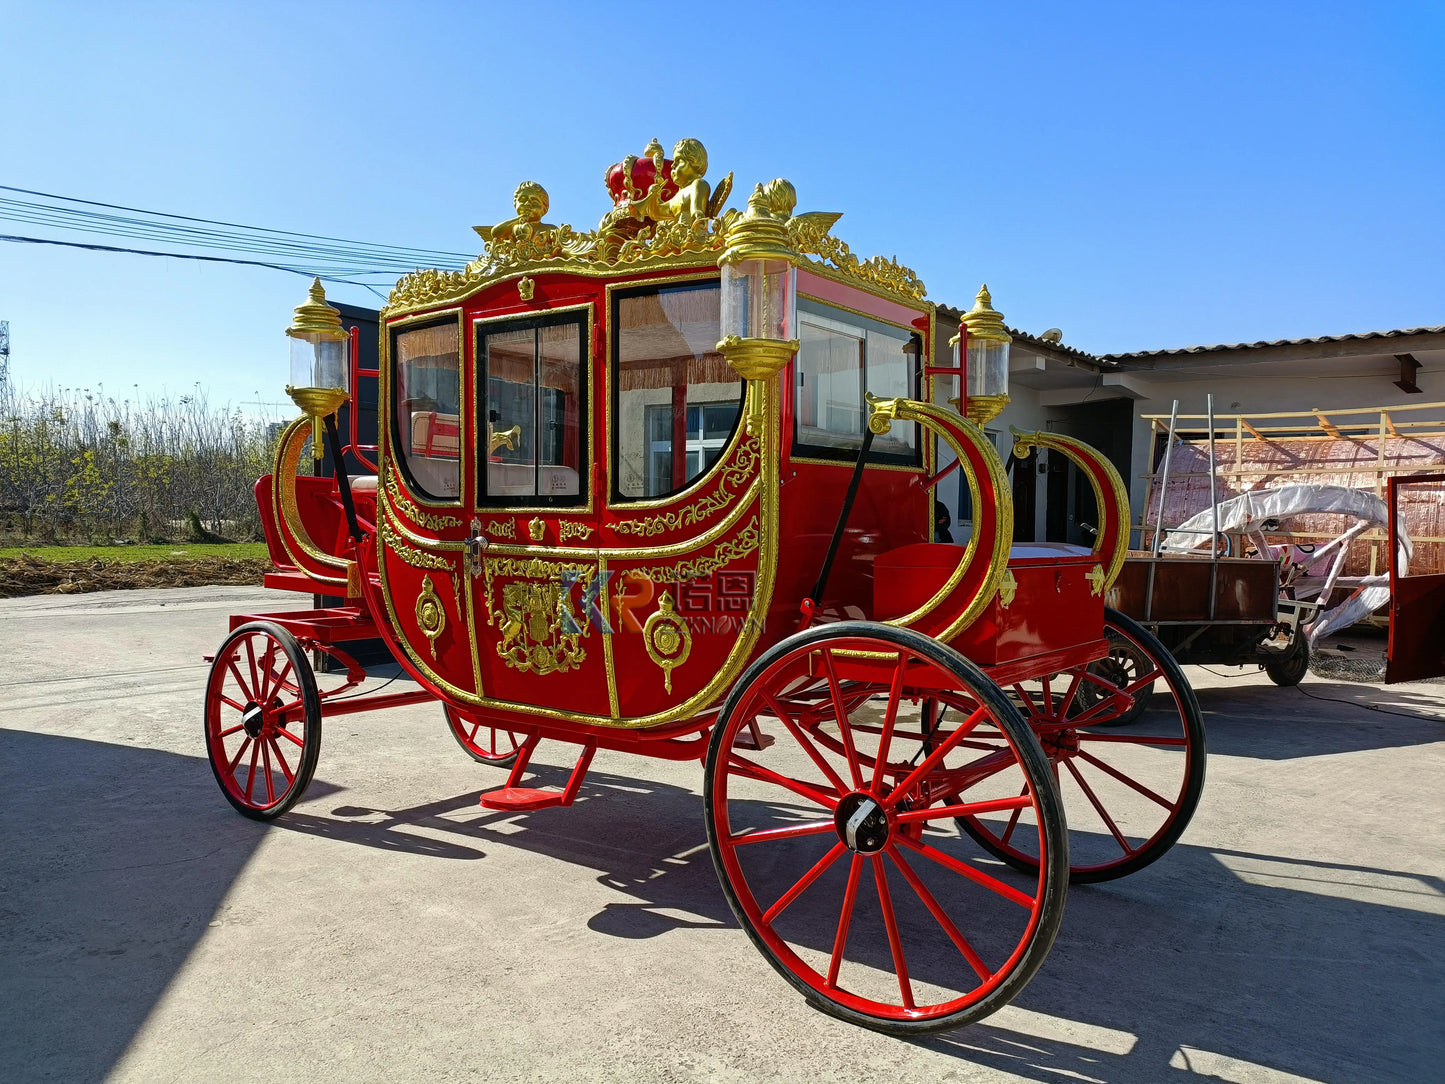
(1133, 739)
(895, 943)
(231, 768)
(959, 941)
(993, 884)
(1013, 821)
(231, 730)
(1138, 683)
(232, 704)
(1067, 700)
(895, 692)
(251, 775)
(742, 766)
(819, 868)
(933, 759)
(266, 772)
(787, 831)
(267, 669)
(1099, 808)
(807, 744)
(844, 729)
(281, 730)
(280, 682)
(966, 809)
(1027, 699)
(285, 768)
(246, 690)
(1126, 780)
(845, 919)
(254, 689)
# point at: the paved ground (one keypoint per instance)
(389, 929)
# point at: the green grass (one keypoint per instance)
(177, 551)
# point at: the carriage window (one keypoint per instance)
(428, 408)
(676, 401)
(840, 357)
(533, 379)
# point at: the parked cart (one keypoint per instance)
(666, 487)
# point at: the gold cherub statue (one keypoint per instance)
(694, 198)
(531, 203)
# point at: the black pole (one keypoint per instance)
(842, 519)
(342, 482)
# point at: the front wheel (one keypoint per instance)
(262, 720)
(836, 845)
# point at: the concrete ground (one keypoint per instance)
(390, 929)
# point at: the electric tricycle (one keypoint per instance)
(666, 487)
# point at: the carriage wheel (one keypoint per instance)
(1129, 795)
(483, 742)
(836, 845)
(262, 720)
(1123, 667)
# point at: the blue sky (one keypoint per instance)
(1140, 175)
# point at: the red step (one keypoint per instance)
(516, 799)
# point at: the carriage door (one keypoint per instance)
(536, 509)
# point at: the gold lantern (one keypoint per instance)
(986, 342)
(320, 361)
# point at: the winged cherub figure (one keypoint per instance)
(531, 203)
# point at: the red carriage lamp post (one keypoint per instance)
(981, 348)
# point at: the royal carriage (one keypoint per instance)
(666, 487)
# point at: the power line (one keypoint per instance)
(334, 258)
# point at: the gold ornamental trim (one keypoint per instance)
(502, 528)
(1008, 588)
(566, 530)
(734, 476)
(283, 503)
(315, 318)
(727, 552)
(431, 616)
(1086, 456)
(399, 546)
(667, 639)
(400, 501)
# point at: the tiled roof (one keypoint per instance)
(1400, 333)
(948, 314)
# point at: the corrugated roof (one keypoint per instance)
(950, 314)
(1399, 333)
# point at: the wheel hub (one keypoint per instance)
(862, 823)
(253, 718)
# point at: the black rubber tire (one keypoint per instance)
(311, 707)
(1032, 760)
(1291, 667)
(1193, 787)
(455, 724)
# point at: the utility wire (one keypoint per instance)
(333, 258)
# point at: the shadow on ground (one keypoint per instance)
(114, 860)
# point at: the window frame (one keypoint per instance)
(616, 497)
(534, 322)
(801, 449)
(400, 441)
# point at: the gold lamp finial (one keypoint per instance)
(314, 318)
(983, 320)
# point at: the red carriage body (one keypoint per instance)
(599, 519)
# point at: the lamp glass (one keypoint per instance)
(318, 362)
(760, 299)
(987, 367)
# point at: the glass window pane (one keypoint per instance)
(842, 356)
(535, 398)
(428, 408)
(677, 399)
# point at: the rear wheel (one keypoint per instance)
(836, 845)
(1292, 665)
(1129, 794)
(483, 742)
(262, 720)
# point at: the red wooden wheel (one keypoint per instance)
(483, 742)
(1129, 793)
(262, 720)
(837, 847)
